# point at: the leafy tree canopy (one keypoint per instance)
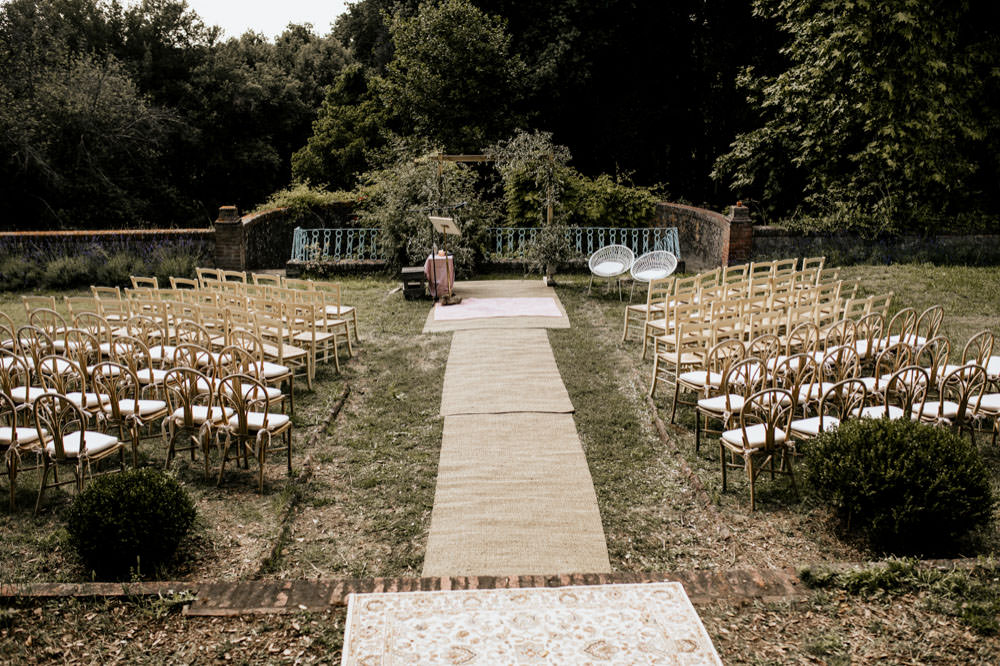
(873, 114)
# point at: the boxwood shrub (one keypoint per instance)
(129, 523)
(905, 487)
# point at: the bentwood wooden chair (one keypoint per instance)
(251, 427)
(762, 438)
(66, 441)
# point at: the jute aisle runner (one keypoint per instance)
(514, 492)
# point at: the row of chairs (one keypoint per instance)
(767, 404)
(71, 427)
(770, 289)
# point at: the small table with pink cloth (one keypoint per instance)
(440, 272)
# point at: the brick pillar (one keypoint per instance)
(740, 245)
(230, 242)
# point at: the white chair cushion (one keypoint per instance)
(271, 370)
(879, 412)
(990, 403)
(756, 436)
(150, 376)
(96, 442)
(199, 414)
(609, 268)
(255, 420)
(949, 409)
(811, 426)
(651, 274)
(254, 393)
(993, 367)
(24, 435)
(57, 366)
(21, 394)
(698, 377)
(161, 352)
(342, 310)
(92, 399)
(813, 391)
(717, 404)
(144, 407)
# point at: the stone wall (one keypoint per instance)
(845, 248)
(708, 239)
(264, 239)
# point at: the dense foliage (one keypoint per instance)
(882, 116)
(877, 120)
(905, 487)
(129, 523)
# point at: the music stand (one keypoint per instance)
(444, 226)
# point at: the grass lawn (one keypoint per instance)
(359, 501)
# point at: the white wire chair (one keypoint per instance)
(654, 265)
(611, 261)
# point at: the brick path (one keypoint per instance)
(289, 596)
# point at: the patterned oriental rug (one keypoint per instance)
(610, 624)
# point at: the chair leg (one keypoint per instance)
(697, 430)
(288, 444)
(12, 477)
(673, 410)
(41, 487)
(722, 459)
(752, 478)
(625, 332)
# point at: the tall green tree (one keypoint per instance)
(347, 129)
(454, 78)
(872, 118)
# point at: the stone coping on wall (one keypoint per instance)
(81, 233)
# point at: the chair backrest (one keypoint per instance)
(49, 321)
(933, 355)
(978, 349)
(771, 408)
(203, 274)
(139, 282)
(119, 384)
(745, 377)
(132, 353)
(35, 302)
(184, 390)
(893, 358)
(79, 304)
(901, 325)
(813, 263)
(34, 342)
(244, 394)
(183, 283)
(907, 389)
(654, 265)
(764, 347)
(928, 323)
(59, 374)
(14, 372)
(840, 333)
(613, 253)
(965, 386)
(785, 267)
(803, 337)
(842, 400)
(795, 373)
(266, 279)
(233, 276)
(880, 303)
(840, 362)
(57, 417)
